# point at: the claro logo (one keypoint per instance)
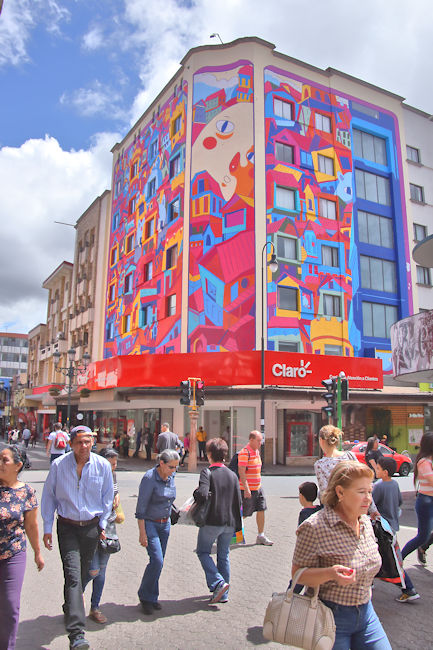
(283, 370)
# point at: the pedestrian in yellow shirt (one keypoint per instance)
(201, 439)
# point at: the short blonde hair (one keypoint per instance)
(344, 473)
(330, 434)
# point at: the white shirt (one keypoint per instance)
(53, 435)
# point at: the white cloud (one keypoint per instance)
(93, 40)
(94, 100)
(45, 184)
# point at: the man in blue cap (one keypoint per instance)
(80, 487)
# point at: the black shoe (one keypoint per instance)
(146, 607)
(156, 605)
(79, 643)
(421, 555)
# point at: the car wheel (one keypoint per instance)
(404, 469)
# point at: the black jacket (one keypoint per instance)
(225, 507)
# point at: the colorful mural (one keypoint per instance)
(315, 166)
(221, 308)
(145, 257)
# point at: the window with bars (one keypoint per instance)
(372, 187)
(284, 152)
(374, 229)
(369, 147)
(377, 319)
(378, 274)
(325, 164)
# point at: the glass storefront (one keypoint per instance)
(299, 433)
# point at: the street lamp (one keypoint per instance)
(273, 266)
(7, 391)
(71, 372)
(216, 35)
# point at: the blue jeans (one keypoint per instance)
(97, 569)
(215, 573)
(157, 538)
(357, 627)
(424, 512)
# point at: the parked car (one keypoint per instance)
(404, 463)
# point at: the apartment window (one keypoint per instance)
(284, 152)
(171, 257)
(151, 187)
(331, 305)
(330, 256)
(113, 256)
(126, 323)
(174, 209)
(423, 276)
(153, 149)
(118, 187)
(327, 208)
(287, 298)
(335, 350)
(177, 124)
(148, 271)
(132, 205)
(110, 331)
(171, 305)
(372, 187)
(419, 232)
(416, 193)
(134, 169)
(326, 165)
(175, 166)
(150, 228)
(111, 293)
(370, 147)
(116, 221)
(377, 274)
(285, 198)
(286, 247)
(413, 154)
(128, 283)
(377, 319)
(145, 316)
(129, 245)
(283, 109)
(287, 346)
(323, 123)
(374, 229)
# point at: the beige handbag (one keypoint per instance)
(299, 621)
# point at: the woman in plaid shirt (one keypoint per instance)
(338, 546)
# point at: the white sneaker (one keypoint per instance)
(262, 539)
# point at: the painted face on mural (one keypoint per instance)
(225, 150)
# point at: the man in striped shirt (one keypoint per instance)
(250, 479)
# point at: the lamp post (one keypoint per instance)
(7, 391)
(216, 35)
(273, 266)
(71, 372)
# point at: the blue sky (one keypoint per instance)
(76, 74)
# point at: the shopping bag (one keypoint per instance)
(185, 514)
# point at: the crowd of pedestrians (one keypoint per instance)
(335, 546)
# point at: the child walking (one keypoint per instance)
(307, 497)
(387, 497)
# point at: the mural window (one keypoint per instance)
(171, 305)
(116, 220)
(374, 229)
(175, 167)
(145, 316)
(211, 289)
(284, 152)
(285, 198)
(419, 232)
(128, 282)
(323, 123)
(378, 274)
(331, 305)
(111, 292)
(110, 331)
(114, 255)
(148, 270)
(171, 257)
(153, 149)
(118, 187)
(151, 188)
(413, 154)
(150, 228)
(370, 147)
(134, 169)
(287, 346)
(132, 205)
(416, 193)
(325, 165)
(283, 109)
(377, 319)
(286, 248)
(126, 322)
(129, 244)
(372, 187)
(423, 276)
(174, 209)
(235, 219)
(330, 256)
(287, 298)
(328, 209)
(335, 350)
(177, 123)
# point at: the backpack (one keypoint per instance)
(234, 463)
(59, 441)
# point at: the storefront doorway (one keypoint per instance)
(299, 439)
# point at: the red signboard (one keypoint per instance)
(230, 369)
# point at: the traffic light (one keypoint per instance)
(199, 393)
(185, 392)
(344, 390)
(330, 396)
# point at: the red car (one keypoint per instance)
(404, 463)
